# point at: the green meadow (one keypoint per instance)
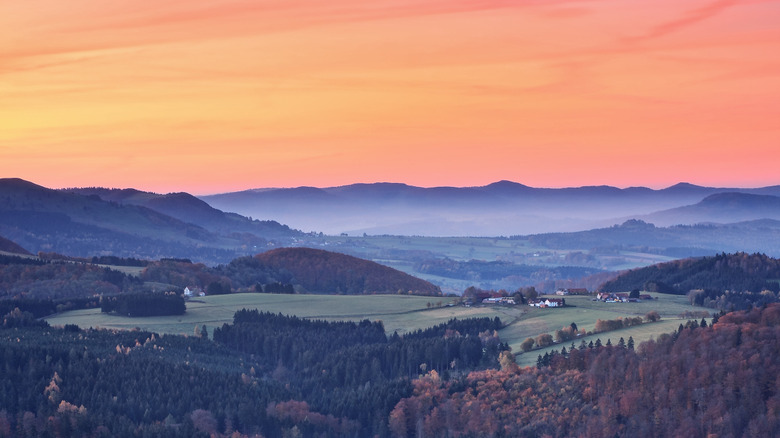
(404, 313)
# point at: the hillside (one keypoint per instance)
(724, 207)
(11, 247)
(724, 281)
(41, 219)
(674, 241)
(189, 209)
(697, 382)
(320, 271)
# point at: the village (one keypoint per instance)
(556, 302)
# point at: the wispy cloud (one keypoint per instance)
(689, 18)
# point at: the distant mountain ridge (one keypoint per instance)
(85, 225)
(500, 208)
(190, 209)
(726, 207)
(674, 241)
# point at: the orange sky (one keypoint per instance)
(207, 96)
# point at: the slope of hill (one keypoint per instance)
(501, 208)
(189, 209)
(722, 208)
(11, 247)
(724, 281)
(697, 382)
(320, 271)
(42, 219)
(675, 241)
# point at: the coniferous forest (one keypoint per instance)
(264, 374)
(273, 375)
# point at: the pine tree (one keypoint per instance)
(631, 343)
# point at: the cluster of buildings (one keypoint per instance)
(572, 291)
(194, 292)
(499, 300)
(548, 302)
(610, 297)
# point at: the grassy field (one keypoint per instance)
(584, 312)
(403, 314)
(640, 334)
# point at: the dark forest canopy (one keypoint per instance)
(264, 374)
(144, 304)
(697, 382)
(320, 271)
(744, 276)
(315, 378)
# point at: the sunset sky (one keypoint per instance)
(209, 96)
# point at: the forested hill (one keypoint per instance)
(83, 225)
(697, 382)
(754, 277)
(190, 209)
(12, 247)
(320, 271)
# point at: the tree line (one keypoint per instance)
(699, 381)
(265, 374)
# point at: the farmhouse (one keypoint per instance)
(548, 302)
(193, 292)
(572, 291)
(499, 300)
(609, 297)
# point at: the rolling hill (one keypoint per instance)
(674, 241)
(189, 209)
(726, 281)
(11, 247)
(725, 207)
(320, 271)
(42, 219)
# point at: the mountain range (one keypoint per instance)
(128, 223)
(612, 228)
(502, 208)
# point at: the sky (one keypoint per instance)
(211, 96)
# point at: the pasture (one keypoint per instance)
(404, 313)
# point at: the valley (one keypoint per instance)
(353, 334)
(404, 314)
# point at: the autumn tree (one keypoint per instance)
(544, 340)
